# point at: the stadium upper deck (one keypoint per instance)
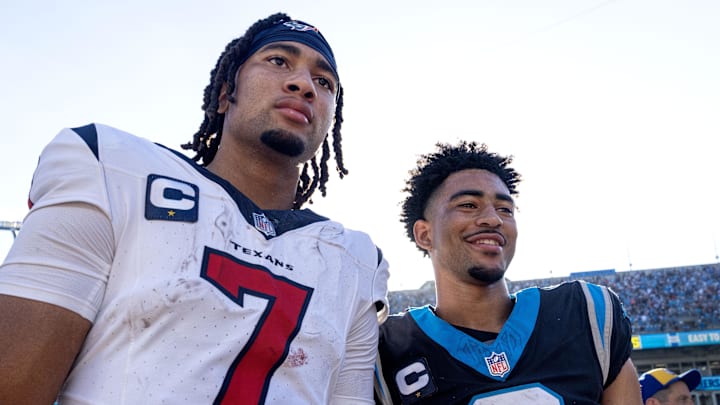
(677, 299)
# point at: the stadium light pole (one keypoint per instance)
(12, 226)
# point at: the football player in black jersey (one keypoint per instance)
(569, 344)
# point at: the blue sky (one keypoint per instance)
(611, 109)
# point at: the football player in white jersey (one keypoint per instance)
(144, 276)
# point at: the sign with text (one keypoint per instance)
(678, 339)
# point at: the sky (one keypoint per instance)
(611, 109)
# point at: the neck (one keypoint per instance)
(474, 306)
(271, 186)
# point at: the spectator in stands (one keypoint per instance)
(480, 344)
(661, 386)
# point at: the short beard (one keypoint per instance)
(283, 142)
(487, 276)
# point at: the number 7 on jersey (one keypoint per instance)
(247, 380)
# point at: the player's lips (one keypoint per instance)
(296, 110)
(486, 238)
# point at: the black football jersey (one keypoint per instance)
(560, 345)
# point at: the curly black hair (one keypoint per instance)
(206, 140)
(433, 168)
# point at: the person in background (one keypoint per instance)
(142, 276)
(661, 386)
(569, 344)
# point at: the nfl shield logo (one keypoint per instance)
(497, 364)
(263, 224)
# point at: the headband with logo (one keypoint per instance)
(295, 31)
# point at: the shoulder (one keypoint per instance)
(565, 287)
(94, 133)
(364, 253)
(400, 325)
(96, 142)
(75, 164)
(596, 298)
(597, 295)
(360, 244)
(571, 298)
(356, 244)
(573, 289)
(107, 141)
(401, 318)
(358, 258)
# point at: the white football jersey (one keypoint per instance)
(207, 298)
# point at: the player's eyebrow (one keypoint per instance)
(293, 50)
(479, 193)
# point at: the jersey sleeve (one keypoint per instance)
(64, 252)
(621, 345)
(367, 255)
(610, 327)
(355, 380)
(380, 289)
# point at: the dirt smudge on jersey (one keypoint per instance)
(296, 358)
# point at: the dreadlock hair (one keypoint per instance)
(433, 168)
(206, 140)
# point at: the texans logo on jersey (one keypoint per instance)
(171, 199)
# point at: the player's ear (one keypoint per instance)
(223, 99)
(422, 234)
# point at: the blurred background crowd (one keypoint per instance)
(678, 299)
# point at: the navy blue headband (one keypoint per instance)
(295, 31)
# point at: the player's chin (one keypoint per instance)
(284, 142)
(487, 275)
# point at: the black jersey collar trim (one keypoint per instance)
(282, 220)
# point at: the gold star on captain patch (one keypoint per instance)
(418, 394)
(171, 213)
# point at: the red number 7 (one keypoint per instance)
(248, 378)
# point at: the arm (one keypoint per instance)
(50, 284)
(355, 381)
(53, 279)
(38, 343)
(625, 390)
(354, 384)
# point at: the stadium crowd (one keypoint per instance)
(677, 299)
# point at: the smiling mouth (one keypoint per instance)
(486, 239)
(490, 242)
